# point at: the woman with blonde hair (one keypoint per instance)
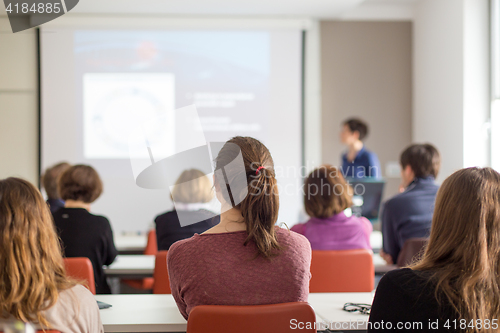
(456, 285)
(246, 259)
(191, 194)
(33, 283)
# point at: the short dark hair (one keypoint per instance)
(80, 183)
(49, 179)
(357, 125)
(424, 160)
(332, 194)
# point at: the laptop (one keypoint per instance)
(367, 197)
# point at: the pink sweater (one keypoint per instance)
(217, 269)
(337, 232)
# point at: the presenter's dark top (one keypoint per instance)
(169, 230)
(55, 204)
(86, 235)
(364, 165)
(408, 215)
(408, 297)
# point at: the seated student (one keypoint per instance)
(327, 196)
(35, 287)
(456, 283)
(191, 192)
(245, 259)
(358, 162)
(84, 234)
(49, 182)
(409, 214)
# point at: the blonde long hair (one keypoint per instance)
(32, 271)
(463, 253)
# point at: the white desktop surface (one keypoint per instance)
(159, 313)
(328, 309)
(131, 265)
(141, 313)
(132, 242)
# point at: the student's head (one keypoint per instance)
(192, 186)
(32, 272)
(326, 192)
(49, 179)
(80, 183)
(259, 200)
(463, 252)
(353, 129)
(419, 161)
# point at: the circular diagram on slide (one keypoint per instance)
(114, 108)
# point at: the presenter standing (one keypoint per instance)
(357, 162)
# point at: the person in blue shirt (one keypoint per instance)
(409, 214)
(357, 162)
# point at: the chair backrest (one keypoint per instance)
(412, 250)
(151, 245)
(81, 269)
(342, 271)
(162, 283)
(270, 318)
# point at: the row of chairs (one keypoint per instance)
(332, 271)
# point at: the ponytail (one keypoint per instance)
(259, 203)
(260, 212)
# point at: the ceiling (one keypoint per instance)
(329, 9)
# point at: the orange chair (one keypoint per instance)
(151, 249)
(161, 281)
(342, 271)
(270, 318)
(81, 269)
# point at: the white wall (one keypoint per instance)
(18, 104)
(450, 89)
(476, 83)
(312, 107)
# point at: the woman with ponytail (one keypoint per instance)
(245, 259)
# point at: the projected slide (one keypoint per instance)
(131, 73)
(98, 83)
(113, 105)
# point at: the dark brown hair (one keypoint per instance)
(80, 183)
(463, 253)
(423, 159)
(32, 271)
(49, 179)
(357, 125)
(260, 200)
(326, 192)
